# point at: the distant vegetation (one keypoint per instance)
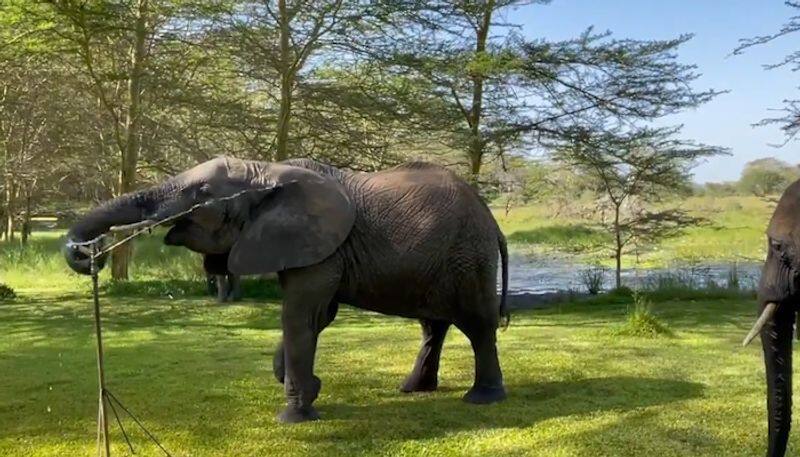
(542, 207)
(734, 232)
(762, 177)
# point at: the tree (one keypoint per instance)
(284, 42)
(634, 172)
(789, 120)
(125, 56)
(767, 176)
(504, 93)
(523, 181)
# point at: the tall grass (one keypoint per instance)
(641, 321)
(156, 270)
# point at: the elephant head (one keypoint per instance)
(778, 298)
(267, 216)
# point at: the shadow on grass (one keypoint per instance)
(424, 416)
(252, 288)
(66, 316)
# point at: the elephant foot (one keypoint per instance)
(296, 414)
(417, 384)
(479, 395)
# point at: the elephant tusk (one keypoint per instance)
(134, 226)
(769, 310)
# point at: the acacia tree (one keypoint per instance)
(505, 92)
(126, 56)
(789, 120)
(277, 44)
(635, 172)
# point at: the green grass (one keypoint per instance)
(198, 374)
(735, 232)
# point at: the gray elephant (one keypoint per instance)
(413, 241)
(220, 282)
(778, 298)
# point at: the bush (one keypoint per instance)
(622, 292)
(593, 279)
(7, 293)
(733, 277)
(641, 322)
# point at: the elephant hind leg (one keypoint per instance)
(425, 375)
(488, 385)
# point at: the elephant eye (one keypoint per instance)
(203, 191)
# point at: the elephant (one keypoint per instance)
(221, 283)
(778, 297)
(414, 241)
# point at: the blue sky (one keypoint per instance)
(717, 26)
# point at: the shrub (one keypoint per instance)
(733, 277)
(7, 293)
(593, 279)
(622, 292)
(641, 322)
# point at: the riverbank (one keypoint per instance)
(734, 233)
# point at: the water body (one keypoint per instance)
(550, 274)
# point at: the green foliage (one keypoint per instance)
(593, 279)
(6, 293)
(735, 231)
(641, 322)
(767, 177)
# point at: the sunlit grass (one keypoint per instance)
(198, 373)
(735, 232)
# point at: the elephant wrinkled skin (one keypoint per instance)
(778, 295)
(413, 241)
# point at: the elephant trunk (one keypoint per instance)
(126, 209)
(776, 340)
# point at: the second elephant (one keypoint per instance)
(221, 283)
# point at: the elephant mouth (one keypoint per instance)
(172, 238)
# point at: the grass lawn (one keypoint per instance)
(734, 232)
(198, 374)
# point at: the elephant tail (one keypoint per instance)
(505, 315)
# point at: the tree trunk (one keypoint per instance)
(9, 208)
(287, 83)
(26, 221)
(130, 155)
(476, 146)
(3, 222)
(617, 248)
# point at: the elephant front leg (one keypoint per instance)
(279, 360)
(300, 384)
(307, 295)
(425, 375)
(222, 288)
(234, 287)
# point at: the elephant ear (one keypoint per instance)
(302, 222)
